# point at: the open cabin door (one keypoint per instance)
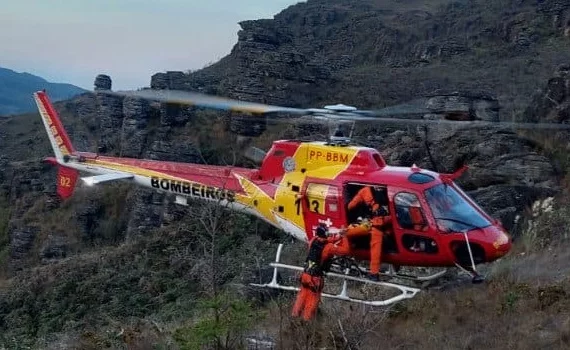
(322, 203)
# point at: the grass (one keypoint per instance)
(146, 293)
(143, 295)
(4, 236)
(522, 305)
(158, 280)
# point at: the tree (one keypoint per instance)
(223, 315)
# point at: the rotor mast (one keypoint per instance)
(337, 135)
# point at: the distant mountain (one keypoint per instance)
(16, 91)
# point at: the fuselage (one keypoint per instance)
(303, 184)
(300, 185)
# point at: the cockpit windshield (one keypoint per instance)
(451, 211)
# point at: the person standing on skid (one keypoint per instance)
(322, 249)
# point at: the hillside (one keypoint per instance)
(16, 89)
(122, 267)
(379, 53)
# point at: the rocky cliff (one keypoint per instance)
(468, 60)
(377, 53)
(475, 60)
(365, 53)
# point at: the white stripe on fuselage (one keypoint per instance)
(145, 181)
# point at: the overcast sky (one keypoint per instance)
(74, 40)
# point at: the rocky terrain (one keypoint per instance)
(124, 266)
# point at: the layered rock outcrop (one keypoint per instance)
(134, 130)
(552, 102)
(363, 53)
(103, 82)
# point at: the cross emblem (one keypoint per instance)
(327, 222)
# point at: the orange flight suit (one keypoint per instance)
(417, 218)
(312, 278)
(373, 227)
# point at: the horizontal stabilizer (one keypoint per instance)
(93, 180)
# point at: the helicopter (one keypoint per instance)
(303, 184)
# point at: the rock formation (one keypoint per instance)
(552, 103)
(361, 53)
(463, 106)
(110, 116)
(134, 130)
(103, 82)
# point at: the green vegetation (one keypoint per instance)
(223, 321)
(4, 238)
(173, 278)
(179, 277)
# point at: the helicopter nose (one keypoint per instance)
(495, 242)
(502, 243)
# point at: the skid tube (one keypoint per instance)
(406, 292)
(392, 273)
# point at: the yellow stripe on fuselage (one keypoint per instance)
(265, 204)
(256, 198)
(320, 161)
(133, 170)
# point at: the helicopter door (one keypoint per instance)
(380, 194)
(411, 226)
(321, 205)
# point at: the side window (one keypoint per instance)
(358, 195)
(409, 212)
(323, 199)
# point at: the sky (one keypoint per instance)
(71, 41)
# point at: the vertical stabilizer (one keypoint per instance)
(59, 140)
(66, 181)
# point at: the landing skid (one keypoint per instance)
(392, 272)
(405, 291)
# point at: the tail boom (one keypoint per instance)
(237, 188)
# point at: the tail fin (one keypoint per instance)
(66, 181)
(60, 141)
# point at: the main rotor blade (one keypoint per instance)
(209, 101)
(408, 113)
(457, 123)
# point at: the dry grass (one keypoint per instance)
(523, 305)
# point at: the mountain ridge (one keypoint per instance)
(120, 266)
(16, 89)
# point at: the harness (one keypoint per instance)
(313, 264)
(312, 278)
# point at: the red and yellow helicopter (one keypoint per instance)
(300, 185)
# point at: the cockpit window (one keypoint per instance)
(451, 211)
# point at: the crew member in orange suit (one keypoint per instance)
(322, 248)
(373, 227)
